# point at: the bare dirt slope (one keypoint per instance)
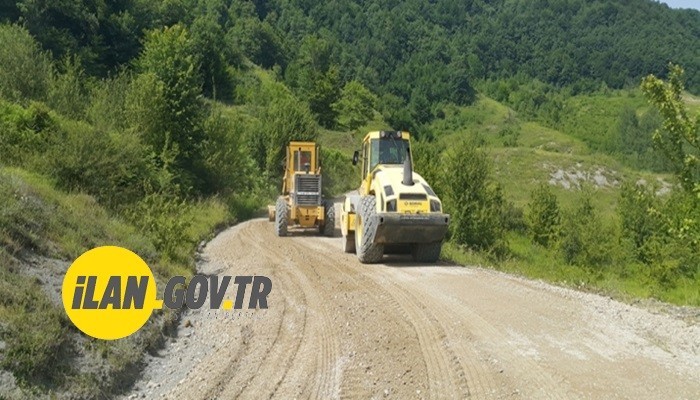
(336, 328)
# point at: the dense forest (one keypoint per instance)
(412, 54)
(150, 124)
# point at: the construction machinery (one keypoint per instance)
(395, 209)
(301, 203)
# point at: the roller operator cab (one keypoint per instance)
(396, 209)
(301, 203)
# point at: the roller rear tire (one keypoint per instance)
(365, 229)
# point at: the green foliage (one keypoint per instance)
(680, 138)
(641, 220)
(355, 106)
(282, 120)
(101, 34)
(256, 39)
(228, 167)
(316, 78)
(212, 53)
(115, 168)
(33, 330)
(663, 232)
(25, 70)
(166, 102)
(26, 133)
(634, 139)
(396, 113)
(585, 240)
(67, 94)
(543, 217)
(166, 220)
(107, 108)
(338, 174)
(532, 98)
(427, 160)
(473, 199)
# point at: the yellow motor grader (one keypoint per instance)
(301, 203)
(396, 210)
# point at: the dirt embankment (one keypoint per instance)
(338, 329)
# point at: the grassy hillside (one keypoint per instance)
(41, 230)
(571, 158)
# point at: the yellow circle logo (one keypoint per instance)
(109, 292)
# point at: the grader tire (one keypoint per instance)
(365, 229)
(329, 221)
(281, 217)
(426, 252)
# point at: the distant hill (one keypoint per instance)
(564, 42)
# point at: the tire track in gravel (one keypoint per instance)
(483, 373)
(267, 377)
(340, 329)
(328, 275)
(445, 376)
(320, 334)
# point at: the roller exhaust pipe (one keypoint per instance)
(407, 169)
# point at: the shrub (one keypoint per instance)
(25, 70)
(33, 329)
(115, 168)
(26, 133)
(106, 110)
(338, 174)
(166, 102)
(543, 217)
(640, 217)
(473, 198)
(165, 220)
(67, 93)
(426, 156)
(355, 106)
(585, 241)
(285, 118)
(228, 168)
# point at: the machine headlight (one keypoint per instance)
(435, 206)
(391, 205)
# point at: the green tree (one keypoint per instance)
(316, 78)
(166, 102)
(641, 219)
(256, 39)
(212, 52)
(355, 106)
(680, 138)
(283, 119)
(585, 240)
(473, 198)
(543, 216)
(25, 70)
(102, 34)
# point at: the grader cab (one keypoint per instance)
(301, 203)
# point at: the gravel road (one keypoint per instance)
(336, 328)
